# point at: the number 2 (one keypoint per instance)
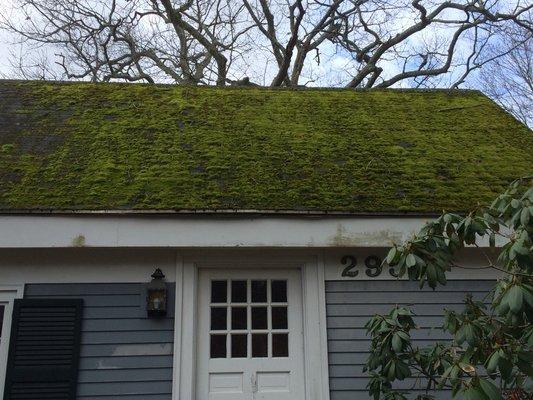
(349, 270)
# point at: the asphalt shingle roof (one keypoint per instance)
(83, 146)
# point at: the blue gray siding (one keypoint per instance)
(124, 355)
(350, 304)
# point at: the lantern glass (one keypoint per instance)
(156, 300)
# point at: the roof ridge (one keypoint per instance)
(230, 87)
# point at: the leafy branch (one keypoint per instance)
(490, 356)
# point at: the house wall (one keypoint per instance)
(350, 304)
(126, 356)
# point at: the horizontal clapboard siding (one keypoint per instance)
(350, 304)
(124, 355)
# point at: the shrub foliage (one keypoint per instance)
(490, 356)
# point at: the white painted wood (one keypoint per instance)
(320, 321)
(8, 293)
(18, 266)
(315, 357)
(178, 337)
(186, 367)
(160, 231)
(247, 378)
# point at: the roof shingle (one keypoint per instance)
(153, 147)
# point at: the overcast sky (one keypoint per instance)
(4, 41)
(336, 65)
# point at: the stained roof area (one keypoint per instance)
(84, 146)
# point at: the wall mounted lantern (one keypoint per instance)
(156, 299)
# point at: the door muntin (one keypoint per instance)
(251, 339)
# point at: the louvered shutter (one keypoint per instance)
(44, 350)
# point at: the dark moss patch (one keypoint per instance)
(118, 146)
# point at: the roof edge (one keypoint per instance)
(225, 212)
(244, 87)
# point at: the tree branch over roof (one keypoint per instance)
(355, 43)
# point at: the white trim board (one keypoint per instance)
(8, 293)
(314, 315)
(159, 231)
(42, 231)
(91, 265)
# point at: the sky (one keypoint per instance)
(5, 39)
(333, 69)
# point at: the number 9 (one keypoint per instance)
(373, 266)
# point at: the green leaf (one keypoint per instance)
(528, 295)
(515, 298)
(432, 275)
(403, 335)
(403, 371)
(474, 393)
(391, 256)
(460, 336)
(492, 392)
(397, 343)
(524, 216)
(411, 260)
(392, 371)
(492, 240)
(519, 248)
(506, 368)
(470, 334)
(492, 362)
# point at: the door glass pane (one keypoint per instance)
(218, 346)
(256, 305)
(279, 291)
(280, 345)
(260, 345)
(238, 292)
(259, 291)
(239, 318)
(218, 319)
(259, 318)
(219, 291)
(239, 344)
(279, 318)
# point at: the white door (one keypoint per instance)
(250, 338)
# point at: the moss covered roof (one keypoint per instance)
(163, 147)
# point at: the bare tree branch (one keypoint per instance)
(354, 43)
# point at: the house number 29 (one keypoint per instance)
(372, 264)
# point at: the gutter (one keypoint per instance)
(218, 212)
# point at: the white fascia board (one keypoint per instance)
(49, 231)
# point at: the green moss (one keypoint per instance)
(118, 146)
(7, 148)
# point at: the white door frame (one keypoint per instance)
(314, 315)
(8, 293)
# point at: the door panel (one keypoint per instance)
(250, 338)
